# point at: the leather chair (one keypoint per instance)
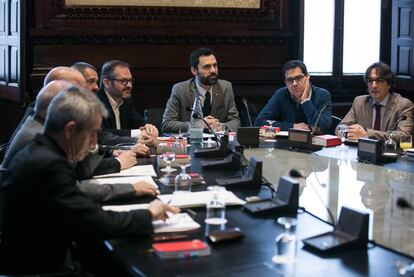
(154, 116)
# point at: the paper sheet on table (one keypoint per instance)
(282, 134)
(175, 223)
(199, 198)
(120, 180)
(125, 208)
(138, 170)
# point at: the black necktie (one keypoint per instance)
(377, 123)
(207, 104)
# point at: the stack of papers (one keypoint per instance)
(200, 198)
(120, 180)
(138, 170)
(175, 223)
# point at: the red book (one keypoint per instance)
(181, 249)
(326, 140)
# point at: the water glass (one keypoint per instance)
(390, 146)
(286, 242)
(183, 181)
(168, 158)
(216, 210)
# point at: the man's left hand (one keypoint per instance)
(356, 131)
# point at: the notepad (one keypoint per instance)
(138, 170)
(199, 198)
(120, 180)
(175, 223)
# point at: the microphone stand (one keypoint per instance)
(244, 100)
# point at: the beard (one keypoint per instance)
(208, 80)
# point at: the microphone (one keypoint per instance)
(244, 100)
(313, 129)
(196, 115)
(296, 174)
(402, 118)
(403, 204)
(114, 147)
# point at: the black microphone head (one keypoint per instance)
(402, 203)
(244, 100)
(188, 109)
(295, 174)
(403, 117)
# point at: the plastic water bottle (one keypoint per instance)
(196, 124)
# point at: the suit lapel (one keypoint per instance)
(368, 113)
(388, 112)
(111, 117)
(218, 98)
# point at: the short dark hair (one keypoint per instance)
(293, 64)
(108, 69)
(196, 54)
(82, 66)
(383, 71)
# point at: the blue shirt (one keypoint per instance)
(286, 111)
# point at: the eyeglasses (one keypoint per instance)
(290, 80)
(124, 82)
(377, 81)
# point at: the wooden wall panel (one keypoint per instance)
(251, 45)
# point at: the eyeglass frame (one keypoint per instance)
(370, 81)
(124, 82)
(298, 78)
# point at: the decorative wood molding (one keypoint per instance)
(268, 11)
(155, 40)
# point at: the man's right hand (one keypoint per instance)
(140, 150)
(301, 125)
(127, 159)
(210, 120)
(159, 210)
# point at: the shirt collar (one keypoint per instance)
(114, 104)
(202, 90)
(382, 103)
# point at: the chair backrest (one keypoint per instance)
(154, 116)
(334, 122)
(254, 110)
(3, 149)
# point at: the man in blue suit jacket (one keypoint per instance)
(298, 105)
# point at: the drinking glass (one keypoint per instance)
(270, 131)
(168, 158)
(390, 146)
(343, 133)
(405, 143)
(285, 242)
(216, 209)
(183, 181)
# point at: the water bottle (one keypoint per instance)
(196, 124)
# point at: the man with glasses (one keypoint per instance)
(299, 104)
(115, 93)
(376, 114)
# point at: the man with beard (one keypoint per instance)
(217, 96)
(115, 93)
(299, 104)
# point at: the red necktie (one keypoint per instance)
(377, 124)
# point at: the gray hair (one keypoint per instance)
(46, 94)
(82, 66)
(73, 104)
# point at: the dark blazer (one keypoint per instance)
(44, 212)
(129, 116)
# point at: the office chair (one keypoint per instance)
(334, 122)
(154, 116)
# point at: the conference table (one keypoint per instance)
(332, 179)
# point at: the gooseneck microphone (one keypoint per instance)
(244, 100)
(196, 115)
(296, 174)
(314, 128)
(402, 118)
(403, 204)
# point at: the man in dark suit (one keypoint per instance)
(43, 210)
(216, 95)
(375, 115)
(115, 94)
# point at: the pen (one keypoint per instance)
(191, 212)
(172, 237)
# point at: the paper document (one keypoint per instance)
(282, 134)
(199, 198)
(120, 180)
(125, 208)
(175, 223)
(138, 170)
